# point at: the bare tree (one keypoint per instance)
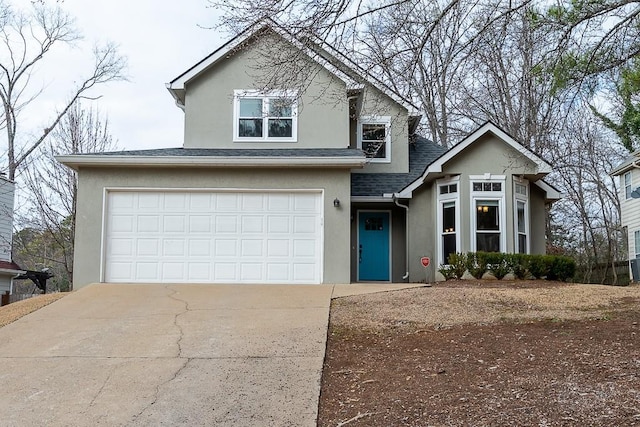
(25, 40)
(588, 217)
(52, 190)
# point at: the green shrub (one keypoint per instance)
(518, 264)
(539, 265)
(447, 271)
(477, 264)
(497, 264)
(562, 268)
(458, 262)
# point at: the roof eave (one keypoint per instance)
(11, 271)
(75, 161)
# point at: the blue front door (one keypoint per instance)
(373, 246)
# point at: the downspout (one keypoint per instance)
(406, 238)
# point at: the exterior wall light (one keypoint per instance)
(336, 203)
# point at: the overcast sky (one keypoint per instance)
(160, 38)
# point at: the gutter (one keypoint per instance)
(77, 161)
(406, 238)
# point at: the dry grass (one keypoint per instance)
(446, 306)
(12, 312)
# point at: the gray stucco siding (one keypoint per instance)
(422, 238)
(323, 118)
(335, 183)
(538, 227)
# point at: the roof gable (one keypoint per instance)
(543, 167)
(327, 57)
(631, 162)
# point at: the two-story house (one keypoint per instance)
(629, 195)
(8, 269)
(299, 167)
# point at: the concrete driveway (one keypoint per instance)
(167, 355)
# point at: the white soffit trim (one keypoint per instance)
(11, 271)
(552, 193)
(436, 166)
(75, 162)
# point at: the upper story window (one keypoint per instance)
(374, 137)
(627, 185)
(269, 117)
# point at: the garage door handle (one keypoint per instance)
(360, 255)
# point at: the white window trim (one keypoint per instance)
(386, 120)
(251, 93)
(527, 224)
(442, 199)
(636, 247)
(627, 194)
(488, 195)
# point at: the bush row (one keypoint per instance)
(551, 267)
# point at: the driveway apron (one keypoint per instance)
(167, 355)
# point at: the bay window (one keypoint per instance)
(448, 219)
(488, 213)
(521, 216)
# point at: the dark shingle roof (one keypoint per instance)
(238, 152)
(422, 153)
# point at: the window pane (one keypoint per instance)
(486, 186)
(487, 215)
(374, 149)
(636, 236)
(280, 128)
(280, 107)
(453, 188)
(449, 217)
(477, 186)
(488, 242)
(521, 218)
(444, 189)
(522, 243)
(250, 107)
(496, 186)
(250, 128)
(374, 132)
(448, 246)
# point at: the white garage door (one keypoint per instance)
(213, 237)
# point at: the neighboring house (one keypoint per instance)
(319, 178)
(8, 269)
(629, 174)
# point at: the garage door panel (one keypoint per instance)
(148, 247)
(199, 247)
(279, 202)
(226, 223)
(122, 223)
(173, 247)
(199, 223)
(224, 237)
(122, 247)
(200, 202)
(147, 271)
(148, 224)
(252, 224)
